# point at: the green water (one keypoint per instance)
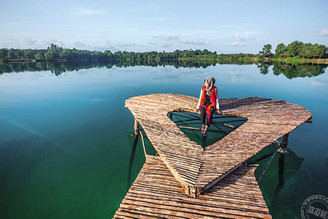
(66, 149)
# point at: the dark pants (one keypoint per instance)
(204, 117)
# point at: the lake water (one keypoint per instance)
(66, 149)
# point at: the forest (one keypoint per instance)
(55, 53)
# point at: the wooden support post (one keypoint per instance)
(136, 127)
(309, 120)
(285, 141)
(283, 146)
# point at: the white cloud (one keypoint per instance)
(30, 41)
(164, 40)
(81, 45)
(86, 11)
(166, 37)
(193, 42)
(238, 77)
(324, 32)
(126, 44)
(243, 37)
(237, 43)
(102, 46)
(240, 38)
(160, 19)
(164, 44)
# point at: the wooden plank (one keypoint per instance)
(149, 197)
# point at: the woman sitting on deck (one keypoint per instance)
(208, 103)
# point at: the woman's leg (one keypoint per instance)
(207, 124)
(202, 115)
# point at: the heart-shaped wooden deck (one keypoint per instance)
(197, 169)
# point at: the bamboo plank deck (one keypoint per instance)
(156, 194)
(197, 169)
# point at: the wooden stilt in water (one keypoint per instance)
(137, 132)
(284, 144)
(285, 141)
(136, 127)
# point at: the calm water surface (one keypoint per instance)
(66, 149)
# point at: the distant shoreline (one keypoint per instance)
(228, 59)
(295, 53)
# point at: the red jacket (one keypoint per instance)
(214, 98)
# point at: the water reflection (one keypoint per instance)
(292, 71)
(57, 68)
(133, 152)
(282, 168)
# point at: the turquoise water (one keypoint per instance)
(66, 149)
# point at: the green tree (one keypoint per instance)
(294, 48)
(266, 51)
(280, 50)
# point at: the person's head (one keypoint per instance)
(209, 82)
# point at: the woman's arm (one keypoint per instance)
(218, 111)
(200, 96)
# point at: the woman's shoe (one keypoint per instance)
(202, 129)
(205, 131)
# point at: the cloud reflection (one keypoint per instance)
(319, 83)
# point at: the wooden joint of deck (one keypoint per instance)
(209, 185)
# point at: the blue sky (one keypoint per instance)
(146, 25)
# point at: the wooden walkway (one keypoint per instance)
(218, 176)
(197, 169)
(156, 194)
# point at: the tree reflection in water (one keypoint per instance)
(288, 70)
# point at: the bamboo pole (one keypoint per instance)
(190, 115)
(267, 165)
(143, 144)
(194, 128)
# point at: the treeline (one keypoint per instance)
(52, 53)
(295, 49)
(56, 53)
(59, 54)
